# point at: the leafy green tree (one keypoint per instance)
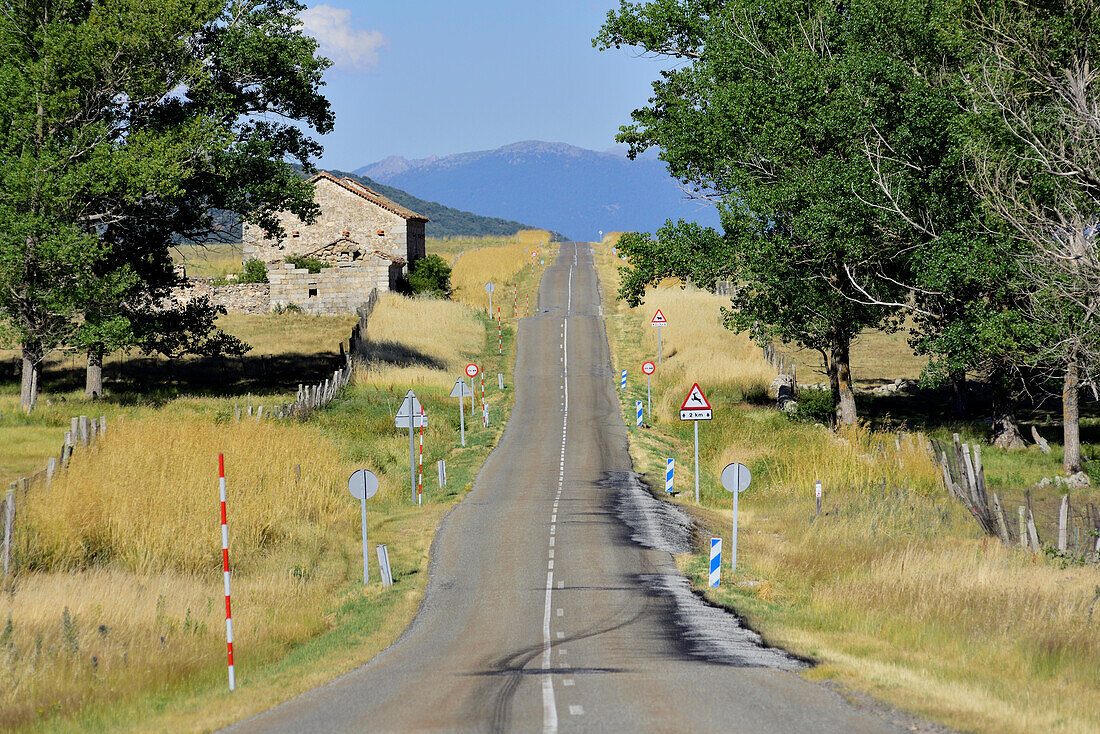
(431, 275)
(126, 125)
(829, 134)
(1035, 157)
(769, 120)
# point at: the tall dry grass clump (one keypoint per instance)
(146, 499)
(419, 341)
(697, 347)
(500, 264)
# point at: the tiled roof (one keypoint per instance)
(370, 195)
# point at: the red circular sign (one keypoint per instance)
(649, 368)
(472, 370)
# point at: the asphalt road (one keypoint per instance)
(541, 613)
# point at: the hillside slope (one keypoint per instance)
(551, 185)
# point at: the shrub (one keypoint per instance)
(814, 406)
(254, 271)
(431, 275)
(311, 264)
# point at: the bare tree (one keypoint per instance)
(1037, 165)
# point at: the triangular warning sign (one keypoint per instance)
(696, 407)
(695, 400)
(659, 318)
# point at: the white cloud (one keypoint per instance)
(349, 48)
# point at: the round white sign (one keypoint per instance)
(363, 484)
(649, 368)
(490, 287)
(472, 370)
(736, 478)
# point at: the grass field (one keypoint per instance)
(209, 261)
(286, 349)
(509, 267)
(893, 591)
(116, 615)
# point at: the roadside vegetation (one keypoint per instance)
(115, 616)
(893, 590)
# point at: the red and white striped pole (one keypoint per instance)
(225, 571)
(528, 305)
(515, 302)
(500, 337)
(420, 463)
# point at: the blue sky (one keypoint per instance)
(417, 78)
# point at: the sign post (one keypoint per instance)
(696, 408)
(715, 562)
(489, 288)
(649, 368)
(735, 478)
(363, 485)
(670, 469)
(623, 385)
(658, 320)
(411, 415)
(461, 391)
(638, 406)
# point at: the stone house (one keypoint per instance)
(367, 240)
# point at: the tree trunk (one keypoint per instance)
(1006, 431)
(957, 380)
(28, 393)
(1071, 424)
(93, 383)
(843, 390)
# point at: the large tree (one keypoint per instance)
(125, 124)
(1035, 153)
(770, 117)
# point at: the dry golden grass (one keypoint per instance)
(127, 539)
(893, 591)
(877, 357)
(420, 341)
(209, 261)
(289, 333)
(508, 266)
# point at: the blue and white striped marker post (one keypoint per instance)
(715, 562)
(670, 467)
(623, 386)
(638, 405)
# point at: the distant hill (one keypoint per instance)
(553, 186)
(445, 221)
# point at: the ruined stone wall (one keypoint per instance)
(341, 211)
(234, 297)
(337, 290)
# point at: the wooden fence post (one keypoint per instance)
(1063, 520)
(1022, 511)
(83, 428)
(9, 526)
(1032, 533)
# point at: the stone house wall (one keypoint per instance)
(369, 246)
(235, 297)
(341, 211)
(335, 290)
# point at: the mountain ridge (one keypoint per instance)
(552, 185)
